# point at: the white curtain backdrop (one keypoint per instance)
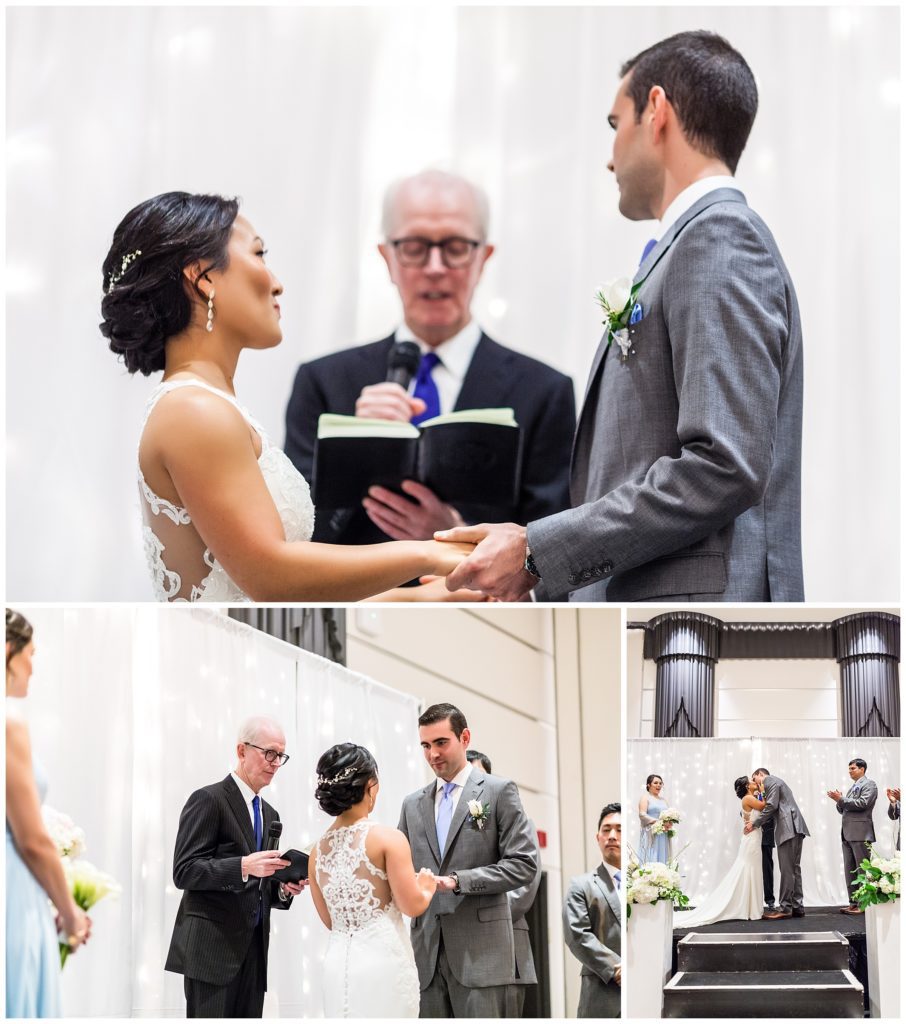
(698, 780)
(307, 114)
(130, 711)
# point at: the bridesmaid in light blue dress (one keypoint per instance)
(652, 847)
(32, 949)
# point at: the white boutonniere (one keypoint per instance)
(479, 813)
(617, 300)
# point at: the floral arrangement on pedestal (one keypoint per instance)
(879, 880)
(651, 882)
(87, 884)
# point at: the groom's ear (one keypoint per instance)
(659, 110)
(465, 737)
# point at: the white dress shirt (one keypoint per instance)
(611, 870)
(455, 355)
(248, 795)
(461, 778)
(689, 197)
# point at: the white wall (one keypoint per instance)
(307, 112)
(540, 690)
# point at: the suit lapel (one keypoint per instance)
(605, 884)
(472, 790)
(426, 807)
(240, 811)
(486, 377)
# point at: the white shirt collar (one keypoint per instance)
(689, 197)
(612, 870)
(461, 778)
(248, 794)
(455, 353)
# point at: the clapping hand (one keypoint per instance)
(893, 795)
(835, 794)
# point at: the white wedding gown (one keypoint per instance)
(369, 968)
(182, 568)
(740, 894)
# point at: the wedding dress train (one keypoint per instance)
(369, 968)
(740, 894)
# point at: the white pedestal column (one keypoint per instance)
(650, 942)
(882, 940)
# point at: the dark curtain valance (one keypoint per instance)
(318, 630)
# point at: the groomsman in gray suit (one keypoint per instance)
(790, 829)
(469, 828)
(857, 828)
(591, 922)
(685, 478)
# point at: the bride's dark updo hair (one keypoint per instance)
(343, 773)
(146, 300)
(18, 633)
(741, 785)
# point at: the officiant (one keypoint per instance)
(220, 938)
(435, 230)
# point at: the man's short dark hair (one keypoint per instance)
(608, 809)
(438, 712)
(709, 85)
(859, 763)
(767, 771)
(476, 755)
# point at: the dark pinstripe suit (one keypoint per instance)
(212, 944)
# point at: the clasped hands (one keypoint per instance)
(264, 863)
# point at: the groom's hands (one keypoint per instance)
(497, 565)
(445, 883)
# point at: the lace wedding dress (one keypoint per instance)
(740, 893)
(369, 968)
(182, 568)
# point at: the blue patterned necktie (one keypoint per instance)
(649, 245)
(256, 807)
(617, 877)
(445, 815)
(426, 389)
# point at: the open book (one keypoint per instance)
(471, 456)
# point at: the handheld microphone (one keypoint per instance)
(273, 839)
(403, 362)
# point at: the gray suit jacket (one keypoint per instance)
(476, 925)
(686, 462)
(521, 901)
(780, 807)
(893, 812)
(591, 926)
(856, 808)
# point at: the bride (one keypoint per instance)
(362, 881)
(740, 893)
(227, 517)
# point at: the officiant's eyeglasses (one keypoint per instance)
(455, 252)
(270, 755)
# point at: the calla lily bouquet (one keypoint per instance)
(616, 299)
(879, 880)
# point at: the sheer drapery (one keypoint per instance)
(306, 113)
(130, 710)
(698, 780)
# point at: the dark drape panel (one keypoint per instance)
(319, 630)
(685, 646)
(868, 650)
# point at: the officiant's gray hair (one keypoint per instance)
(439, 179)
(252, 728)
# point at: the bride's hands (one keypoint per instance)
(446, 555)
(426, 882)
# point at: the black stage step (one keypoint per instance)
(763, 994)
(762, 951)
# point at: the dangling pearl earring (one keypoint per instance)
(210, 324)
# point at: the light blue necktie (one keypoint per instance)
(445, 815)
(649, 245)
(426, 389)
(616, 877)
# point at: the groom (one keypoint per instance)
(790, 829)
(685, 478)
(469, 828)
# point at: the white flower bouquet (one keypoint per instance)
(653, 881)
(666, 823)
(68, 838)
(879, 880)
